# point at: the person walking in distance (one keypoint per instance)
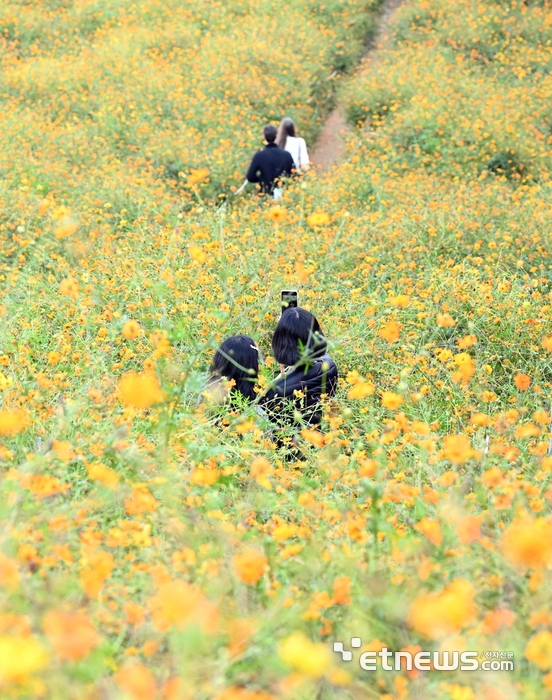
(270, 164)
(288, 140)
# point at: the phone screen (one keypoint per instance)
(289, 299)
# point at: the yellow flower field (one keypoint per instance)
(149, 551)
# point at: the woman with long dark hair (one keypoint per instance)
(300, 348)
(236, 362)
(288, 140)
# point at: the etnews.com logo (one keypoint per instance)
(428, 660)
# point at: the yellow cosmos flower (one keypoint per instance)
(140, 390)
(304, 656)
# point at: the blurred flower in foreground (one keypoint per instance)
(539, 650)
(318, 219)
(249, 566)
(197, 253)
(131, 329)
(12, 422)
(304, 656)
(522, 381)
(72, 635)
(20, 657)
(391, 331)
(140, 390)
(527, 543)
(136, 681)
(197, 175)
(436, 615)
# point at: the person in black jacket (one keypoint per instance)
(270, 164)
(307, 372)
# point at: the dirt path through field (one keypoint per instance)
(330, 146)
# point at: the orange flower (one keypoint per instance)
(141, 500)
(527, 430)
(97, 566)
(492, 476)
(367, 468)
(9, 572)
(67, 227)
(527, 543)
(546, 464)
(172, 690)
(136, 681)
(140, 390)
(439, 614)
(431, 529)
(342, 590)
(12, 422)
(497, 619)
(177, 604)
(401, 300)
(44, 485)
(105, 475)
(457, 449)
(391, 401)
(260, 470)
(63, 451)
(284, 531)
(466, 342)
(391, 331)
(469, 529)
(72, 635)
(361, 389)
(277, 214)
(445, 321)
(197, 175)
(318, 219)
(240, 631)
(197, 253)
(522, 381)
(466, 368)
(539, 650)
(134, 613)
(480, 419)
(131, 329)
(547, 343)
(420, 427)
(313, 436)
(69, 287)
(44, 206)
(204, 477)
(53, 357)
(249, 566)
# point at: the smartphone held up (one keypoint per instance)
(289, 299)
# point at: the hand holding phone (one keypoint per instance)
(289, 299)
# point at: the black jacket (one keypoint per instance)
(268, 165)
(314, 381)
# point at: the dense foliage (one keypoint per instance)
(147, 549)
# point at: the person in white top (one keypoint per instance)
(289, 141)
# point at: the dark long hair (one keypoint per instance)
(237, 358)
(298, 335)
(286, 128)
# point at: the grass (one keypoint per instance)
(151, 551)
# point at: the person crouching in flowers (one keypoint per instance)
(234, 371)
(307, 372)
